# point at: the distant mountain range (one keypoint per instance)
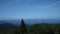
(34, 21)
(31, 21)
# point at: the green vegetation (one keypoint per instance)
(38, 29)
(32, 29)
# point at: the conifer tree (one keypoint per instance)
(23, 26)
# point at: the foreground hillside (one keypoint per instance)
(43, 28)
(4, 28)
(31, 29)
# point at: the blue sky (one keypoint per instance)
(16, 9)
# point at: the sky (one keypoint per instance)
(27, 9)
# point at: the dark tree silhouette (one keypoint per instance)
(23, 26)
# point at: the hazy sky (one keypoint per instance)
(15, 9)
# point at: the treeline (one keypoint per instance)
(36, 29)
(43, 28)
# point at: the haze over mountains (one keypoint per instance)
(31, 21)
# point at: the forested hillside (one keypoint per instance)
(38, 29)
(43, 28)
